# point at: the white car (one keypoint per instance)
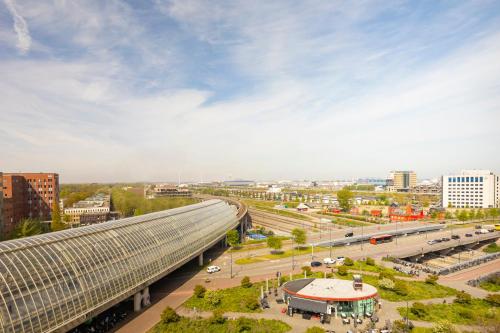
(213, 269)
(328, 261)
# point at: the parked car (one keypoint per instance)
(315, 263)
(477, 232)
(328, 261)
(468, 235)
(431, 242)
(359, 321)
(445, 239)
(213, 269)
(455, 237)
(349, 234)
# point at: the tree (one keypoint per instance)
(27, 227)
(251, 303)
(432, 279)
(493, 212)
(342, 270)
(199, 291)
(169, 316)
(462, 215)
(463, 298)
(386, 275)
(344, 197)
(57, 223)
(213, 297)
(479, 214)
(348, 261)
(400, 288)
(419, 310)
(307, 270)
(386, 283)
(245, 282)
(370, 261)
(444, 327)
(274, 243)
(299, 236)
(233, 237)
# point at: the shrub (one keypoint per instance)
(432, 279)
(199, 291)
(466, 313)
(251, 304)
(463, 298)
(342, 270)
(306, 269)
(348, 262)
(419, 310)
(245, 282)
(386, 283)
(169, 316)
(386, 275)
(493, 299)
(315, 329)
(400, 288)
(370, 261)
(444, 327)
(399, 326)
(217, 317)
(329, 275)
(213, 297)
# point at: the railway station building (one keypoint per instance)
(332, 297)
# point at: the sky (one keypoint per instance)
(108, 91)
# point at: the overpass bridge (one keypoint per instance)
(415, 254)
(56, 281)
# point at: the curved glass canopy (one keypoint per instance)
(49, 281)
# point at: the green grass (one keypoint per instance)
(344, 221)
(232, 300)
(226, 326)
(417, 290)
(281, 255)
(363, 266)
(478, 312)
(492, 248)
(421, 330)
(492, 284)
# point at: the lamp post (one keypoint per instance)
(293, 263)
(330, 227)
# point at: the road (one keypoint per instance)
(175, 289)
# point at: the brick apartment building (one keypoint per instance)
(27, 195)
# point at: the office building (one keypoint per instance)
(94, 209)
(471, 189)
(28, 195)
(401, 181)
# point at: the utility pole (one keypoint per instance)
(293, 263)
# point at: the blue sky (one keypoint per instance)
(153, 90)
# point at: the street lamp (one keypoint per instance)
(330, 227)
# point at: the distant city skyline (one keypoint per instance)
(129, 91)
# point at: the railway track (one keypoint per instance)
(284, 224)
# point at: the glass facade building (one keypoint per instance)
(50, 281)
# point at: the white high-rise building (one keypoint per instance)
(471, 189)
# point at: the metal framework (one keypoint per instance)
(49, 281)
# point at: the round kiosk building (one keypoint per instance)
(330, 296)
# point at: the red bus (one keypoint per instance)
(380, 239)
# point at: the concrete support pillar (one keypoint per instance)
(200, 259)
(141, 299)
(137, 301)
(146, 300)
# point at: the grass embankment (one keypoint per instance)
(491, 284)
(477, 312)
(344, 221)
(213, 325)
(360, 265)
(279, 255)
(236, 299)
(492, 248)
(268, 206)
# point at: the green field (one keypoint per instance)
(220, 325)
(478, 312)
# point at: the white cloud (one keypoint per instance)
(20, 27)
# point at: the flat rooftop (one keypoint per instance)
(329, 289)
